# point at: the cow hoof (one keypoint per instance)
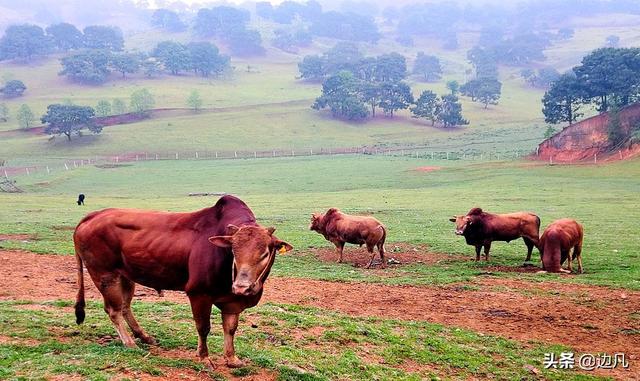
(206, 361)
(234, 362)
(148, 340)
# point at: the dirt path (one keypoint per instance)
(590, 319)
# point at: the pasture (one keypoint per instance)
(434, 314)
(322, 320)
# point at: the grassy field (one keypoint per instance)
(267, 108)
(414, 205)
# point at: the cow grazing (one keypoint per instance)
(218, 255)
(480, 228)
(557, 241)
(340, 228)
(80, 199)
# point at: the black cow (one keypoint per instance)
(80, 199)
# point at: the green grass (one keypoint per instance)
(414, 205)
(296, 343)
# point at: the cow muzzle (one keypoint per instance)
(244, 289)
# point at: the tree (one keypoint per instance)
(103, 108)
(484, 90)
(245, 42)
(546, 76)
(312, 68)
(453, 86)
(126, 63)
(561, 102)
(142, 101)
(118, 107)
(391, 67)
(103, 37)
(565, 33)
(23, 42)
(151, 67)
(167, 20)
(205, 59)
(194, 100)
(427, 66)
(612, 41)
(219, 21)
(451, 112)
(25, 116)
(65, 36)
(90, 66)
(4, 113)
(426, 106)
(69, 119)
(371, 93)
(395, 96)
(484, 62)
(174, 56)
(615, 132)
(340, 95)
(529, 75)
(345, 26)
(13, 88)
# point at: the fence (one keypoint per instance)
(408, 152)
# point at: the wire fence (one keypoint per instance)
(9, 171)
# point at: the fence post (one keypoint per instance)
(48, 171)
(116, 161)
(176, 156)
(595, 158)
(255, 154)
(74, 164)
(27, 171)
(538, 151)
(550, 160)
(196, 154)
(620, 152)
(66, 167)
(447, 155)
(156, 156)
(6, 175)
(235, 154)
(273, 153)
(136, 157)
(216, 154)
(311, 151)
(293, 153)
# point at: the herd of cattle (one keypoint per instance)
(221, 256)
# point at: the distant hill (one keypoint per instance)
(584, 140)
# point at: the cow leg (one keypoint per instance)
(381, 250)
(567, 254)
(577, 253)
(370, 248)
(530, 244)
(201, 309)
(340, 248)
(128, 288)
(111, 290)
(487, 247)
(229, 326)
(478, 248)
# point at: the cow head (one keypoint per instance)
(254, 249)
(466, 222)
(316, 220)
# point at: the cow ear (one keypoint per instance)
(453, 219)
(282, 247)
(221, 240)
(232, 229)
(270, 230)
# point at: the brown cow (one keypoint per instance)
(340, 228)
(217, 255)
(557, 241)
(480, 228)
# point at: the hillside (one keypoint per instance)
(587, 139)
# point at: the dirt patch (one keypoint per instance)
(590, 319)
(112, 166)
(17, 237)
(397, 254)
(63, 227)
(7, 340)
(427, 169)
(490, 270)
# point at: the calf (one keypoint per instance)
(340, 228)
(480, 228)
(556, 243)
(80, 199)
(219, 256)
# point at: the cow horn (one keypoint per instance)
(271, 229)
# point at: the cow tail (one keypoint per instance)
(80, 303)
(384, 235)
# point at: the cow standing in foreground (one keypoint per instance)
(480, 228)
(217, 255)
(556, 243)
(340, 228)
